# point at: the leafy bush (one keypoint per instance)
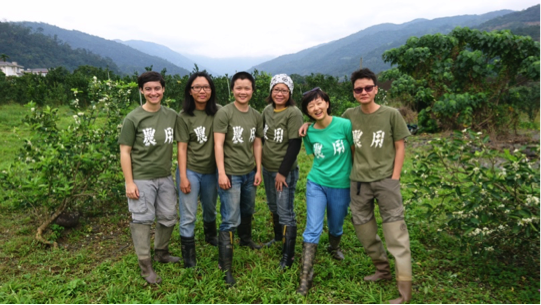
(467, 78)
(488, 199)
(60, 169)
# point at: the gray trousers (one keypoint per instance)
(157, 200)
(386, 191)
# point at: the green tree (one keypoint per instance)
(60, 169)
(528, 98)
(464, 79)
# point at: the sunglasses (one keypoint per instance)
(368, 89)
(313, 90)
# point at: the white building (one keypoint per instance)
(11, 68)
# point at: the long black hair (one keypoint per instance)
(189, 103)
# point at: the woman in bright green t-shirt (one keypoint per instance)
(330, 140)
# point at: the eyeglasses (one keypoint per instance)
(283, 91)
(313, 90)
(368, 89)
(198, 88)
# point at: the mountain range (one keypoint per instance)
(335, 58)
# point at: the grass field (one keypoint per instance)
(96, 262)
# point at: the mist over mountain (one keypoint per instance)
(337, 58)
(128, 60)
(340, 57)
(229, 65)
(216, 66)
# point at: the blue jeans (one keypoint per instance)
(319, 198)
(236, 201)
(281, 203)
(202, 186)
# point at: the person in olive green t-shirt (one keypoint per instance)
(280, 172)
(327, 188)
(378, 134)
(146, 150)
(196, 173)
(238, 130)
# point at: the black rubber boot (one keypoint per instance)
(225, 257)
(244, 231)
(210, 233)
(278, 230)
(307, 265)
(334, 247)
(187, 245)
(288, 248)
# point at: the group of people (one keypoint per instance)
(228, 150)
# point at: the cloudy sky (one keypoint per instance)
(244, 28)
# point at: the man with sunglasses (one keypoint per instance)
(378, 134)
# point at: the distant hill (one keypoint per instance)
(340, 57)
(161, 51)
(229, 65)
(128, 60)
(215, 66)
(525, 22)
(35, 50)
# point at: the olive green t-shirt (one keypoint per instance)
(374, 135)
(331, 148)
(150, 135)
(197, 131)
(279, 128)
(240, 129)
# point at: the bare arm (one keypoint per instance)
(132, 191)
(184, 183)
(304, 129)
(257, 156)
(223, 181)
(400, 154)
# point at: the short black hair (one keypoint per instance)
(189, 102)
(150, 76)
(242, 75)
(314, 94)
(289, 102)
(364, 73)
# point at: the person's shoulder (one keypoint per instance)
(168, 110)
(389, 109)
(342, 121)
(295, 110)
(134, 113)
(254, 112)
(224, 109)
(351, 111)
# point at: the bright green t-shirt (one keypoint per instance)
(151, 137)
(240, 129)
(279, 128)
(331, 148)
(197, 131)
(374, 135)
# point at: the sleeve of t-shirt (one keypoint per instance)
(345, 115)
(400, 128)
(308, 145)
(347, 130)
(259, 128)
(294, 123)
(182, 134)
(127, 133)
(221, 122)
